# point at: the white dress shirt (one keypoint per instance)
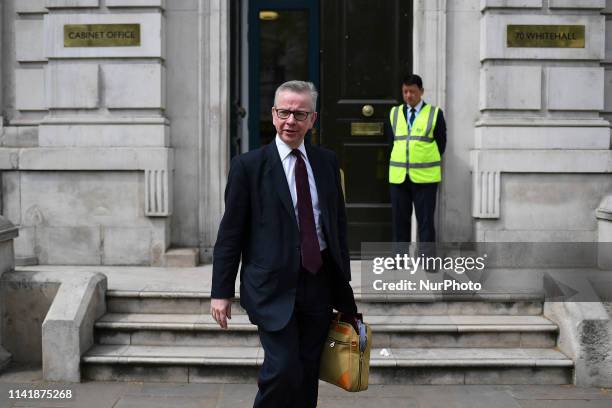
(417, 109)
(288, 160)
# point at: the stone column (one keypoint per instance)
(429, 48)
(8, 232)
(429, 61)
(214, 120)
(1, 76)
(607, 65)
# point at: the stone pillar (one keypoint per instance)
(607, 65)
(540, 133)
(8, 232)
(214, 122)
(1, 76)
(429, 48)
(429, 61)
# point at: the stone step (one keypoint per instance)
(398, 366)
(119, 301)
(389, 331)
(182, 257)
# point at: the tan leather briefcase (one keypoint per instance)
(345, 360)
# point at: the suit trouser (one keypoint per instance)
(423, 195)
(289, 376)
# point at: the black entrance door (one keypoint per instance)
(283, 45)
(365, 47)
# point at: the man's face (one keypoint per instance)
(412, 94)
(291, 130)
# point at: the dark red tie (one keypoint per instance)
(311, 252)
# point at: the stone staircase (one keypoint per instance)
(170, 337)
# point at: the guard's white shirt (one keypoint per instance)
(417, 109)
(288, 160)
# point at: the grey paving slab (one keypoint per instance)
(150, 395)
(206, 391)
(21, 374)
(564, 404)
(367, 402)
(165, 402)
(90, 395)
(565, 392)
(236, 395)
(462, 397)
(34, 404)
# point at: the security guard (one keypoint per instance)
(417, 138)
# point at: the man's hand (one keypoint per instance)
(221, 310)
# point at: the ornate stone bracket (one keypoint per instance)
(486, 194)
(158, 192)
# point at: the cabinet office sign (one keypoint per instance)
(101, 35)
(546, 36)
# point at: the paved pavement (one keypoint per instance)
(164, 395)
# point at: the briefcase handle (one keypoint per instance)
(349, 318)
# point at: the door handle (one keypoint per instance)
(367, 110)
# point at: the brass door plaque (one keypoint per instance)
(546, 36)
(101, 35)
(366, 128)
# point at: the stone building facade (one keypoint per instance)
(115, 155)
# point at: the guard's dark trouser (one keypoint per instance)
(424, 198)
(289, 376)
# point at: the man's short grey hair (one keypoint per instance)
(298, 87)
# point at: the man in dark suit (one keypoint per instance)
(285, 216)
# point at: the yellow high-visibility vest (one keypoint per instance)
(414, 152)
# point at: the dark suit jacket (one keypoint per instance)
(260, 226)
(439, 131)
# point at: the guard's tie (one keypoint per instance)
(412, 116)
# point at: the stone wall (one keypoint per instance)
(8, 232)
(26, 305)
(542, 158)
(87, 167)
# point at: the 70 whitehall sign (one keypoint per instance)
(546, 36)
(101, 35)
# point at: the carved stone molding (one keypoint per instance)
(486, 194)
(158, 192)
